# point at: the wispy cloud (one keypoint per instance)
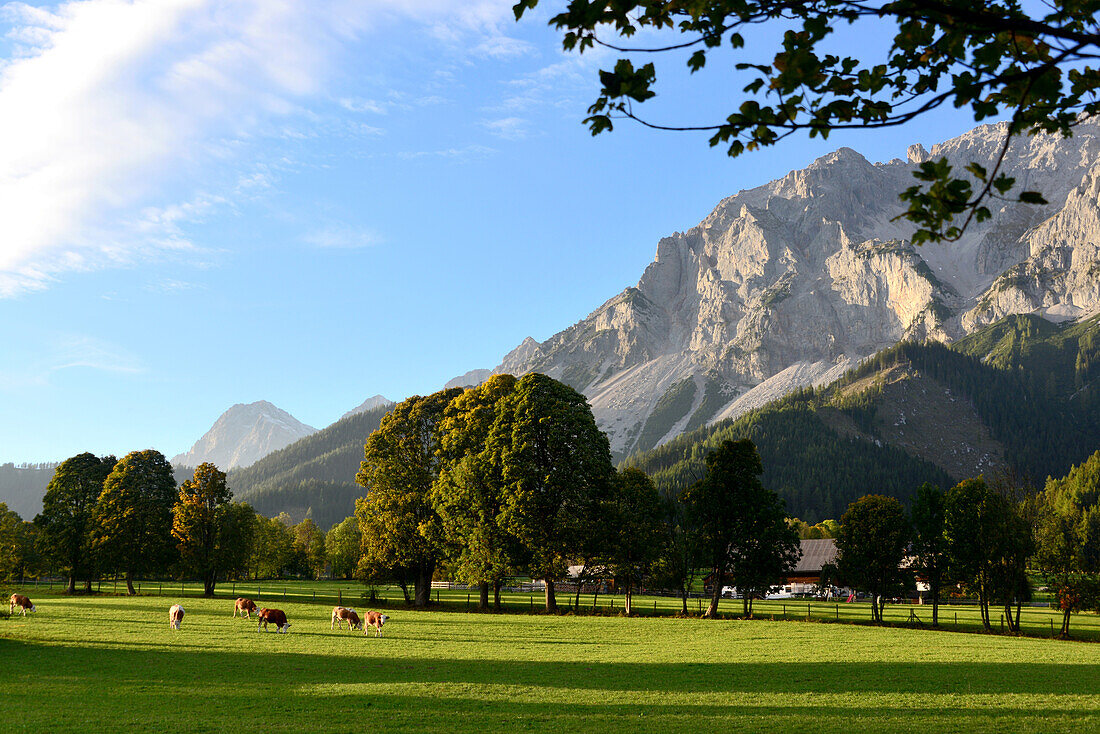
(343, 237)
(58, 353)
(509, 128)
(107, 105)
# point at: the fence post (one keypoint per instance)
(956, 620)
(467, 601)
(315, 596)
(1052, 628)
(160, 588)
(1002, 623)
(531, 599)
(807, 612)
(339, 597)
(784, 611)
(838, 612)
(284, 592)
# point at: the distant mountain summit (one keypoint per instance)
(243, 435)
(378, 401)
(794, 282)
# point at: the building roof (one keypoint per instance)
(815, 554)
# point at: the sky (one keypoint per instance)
(311, 202)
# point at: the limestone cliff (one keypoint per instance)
(791, 283)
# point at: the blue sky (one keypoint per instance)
(204, 203)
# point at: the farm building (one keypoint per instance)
(803, 579)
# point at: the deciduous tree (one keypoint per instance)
(469, 492)
(1068, 539)
(309, 541)
(398, 522)
(1029, 61)
(132, 519)
(557, 472)
(66, 517)
(637, 537)
(342, 547)
(742, 531)
(929, 544)
(214, 533)
(874, 534)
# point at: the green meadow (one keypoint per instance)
(111, 663)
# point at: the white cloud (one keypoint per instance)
(509, 128)
(33, 368)
(342, 237)
(108, 106)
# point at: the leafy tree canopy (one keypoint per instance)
(994, 56)
(874, 533)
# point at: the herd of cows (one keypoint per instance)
(246, 607)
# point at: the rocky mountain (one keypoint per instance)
(795, 282)
(314, 476)
(1015, 401)
(243, 435)
(378, 401)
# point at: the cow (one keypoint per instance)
(18, 600)
(175, 617)
(341, 615)
(376, 620)
(275, 617)
(244, 606)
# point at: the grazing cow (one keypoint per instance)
(244, 606)
(18, 600)
(175, 617)
(275, 617)
(341, 615)
(376, 620)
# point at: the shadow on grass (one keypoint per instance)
(375, 666)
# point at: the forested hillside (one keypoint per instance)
(22, 486)
(314, 476)
(1020, 395)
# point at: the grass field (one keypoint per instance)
(111, 663)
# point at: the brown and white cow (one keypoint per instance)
(342, 614)
(244, 606)
(275, 617)
(18, 600)
(175, 617)
(376, 620)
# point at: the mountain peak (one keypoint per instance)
(371, 403)
(244, 434)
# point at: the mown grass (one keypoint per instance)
(1038, 621)
(111, 663)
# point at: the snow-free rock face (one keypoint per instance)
(378, 401)
(791, 283)
(243, 435)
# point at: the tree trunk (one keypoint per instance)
(628, 598)
(746, 607)
(551, 600)
(405, 591)
(935, 604)
(496, 595)
(1064, 634)
(87, 586)
(684, 601)
(712, 608)
(130, 584)
(208, 584)
(483, 595)
(423, 587)
(71, 589)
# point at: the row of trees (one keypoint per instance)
(982, 538)
(514, 476)
(103, 517)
